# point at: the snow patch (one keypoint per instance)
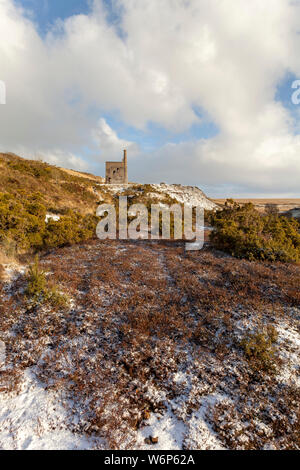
(49, 217)
(169, 430)
(35, 419)
(192, 196)
(12, 272)
(189, 195)
(200, 435)
(290, 353)
(175, 434)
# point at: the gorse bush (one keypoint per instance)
(23, 227)
(22, 221)
(31, 189)
(36, 169)
(245, 233)
(71, 228)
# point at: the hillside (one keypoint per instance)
(63, 189)
(140, 344)
(60, 189)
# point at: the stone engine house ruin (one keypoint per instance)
(116, 172)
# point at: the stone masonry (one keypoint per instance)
(116, 172)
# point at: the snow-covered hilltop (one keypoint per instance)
(190, 195)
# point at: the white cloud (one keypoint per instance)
(226, 57)
(60, 158)
(109, 142)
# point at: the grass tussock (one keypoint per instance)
(40, 291)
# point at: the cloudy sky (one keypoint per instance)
(198, 91)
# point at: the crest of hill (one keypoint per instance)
(62, 189)
(81, 174)
(189, 195)
(164, 194)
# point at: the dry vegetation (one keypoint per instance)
(60, 189)
(150, 330)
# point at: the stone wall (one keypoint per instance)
(115, 173)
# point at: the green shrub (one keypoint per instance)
(245, 233)
(259, 349)
(56, 298)
(38, 291)
(36, 283)
(71, 228)
(23, 227)
(22, 222)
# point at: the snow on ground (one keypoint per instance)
(200, 434)
(189, 195)
(12, 271)
(49, 217)
(289, 338)
(115, 188)
(2, 355)
(167, 428)
(35, 419)
(174, 434)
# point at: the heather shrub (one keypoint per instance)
(80, 191)
(245, 233)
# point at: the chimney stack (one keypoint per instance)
(125, 168)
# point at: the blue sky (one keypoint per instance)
(198, 92)
(46, 12)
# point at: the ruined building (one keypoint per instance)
(116, 172)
